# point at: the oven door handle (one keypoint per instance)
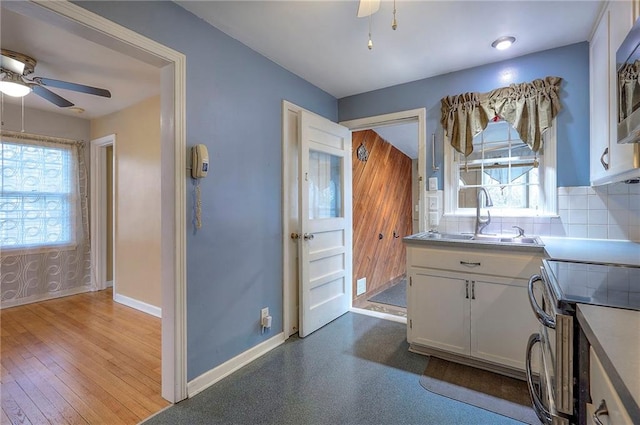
(543, 414)
(542, 316)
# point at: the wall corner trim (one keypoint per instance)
(216, 374)
(138, 305)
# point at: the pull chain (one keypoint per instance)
(370, 44)
(394, 23)
(22, 130)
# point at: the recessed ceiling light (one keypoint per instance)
(76, 109)
(503, 42)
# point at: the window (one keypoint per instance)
(519, 181)
(38, 197)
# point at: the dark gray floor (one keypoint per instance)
(355, 370)
(394, 295)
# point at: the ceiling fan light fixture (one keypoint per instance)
(503, 43)
(12, 85)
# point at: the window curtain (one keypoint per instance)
(44, 195)
(529, 107)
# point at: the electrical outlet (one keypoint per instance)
(264, 313)
(361, 286)
(433, 219)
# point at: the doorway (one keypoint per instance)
(290, 198)
(102, 211)
(172, 66)
(390, 154)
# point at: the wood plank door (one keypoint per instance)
(325, 221)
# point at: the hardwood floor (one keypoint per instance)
(82, 359)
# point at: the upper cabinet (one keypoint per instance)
(610, 162)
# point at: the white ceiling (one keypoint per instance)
(403, 136)
(326, 44)
(321, 41)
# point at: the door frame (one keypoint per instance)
(98, 214)
(289, 249)
(172, 65)
(418, 115)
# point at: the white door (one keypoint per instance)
(325, 221)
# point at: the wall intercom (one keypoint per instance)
(199, 161)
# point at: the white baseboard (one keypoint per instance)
(138, 305)
(44, 297)
(379, 315)
(214, 375)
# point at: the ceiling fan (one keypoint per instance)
(15, 80)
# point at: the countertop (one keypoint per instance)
(614, 334)
(592, 250)
(418, 240)
(557, 248)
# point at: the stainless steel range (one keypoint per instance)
(553, 295)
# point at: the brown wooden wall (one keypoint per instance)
(381, 205)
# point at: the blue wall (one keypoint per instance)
(234, 95)
(569, 62)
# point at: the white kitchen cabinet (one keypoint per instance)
(439, 311)
(609, 161)
(501, 321)
(602, 391)
(471, 303)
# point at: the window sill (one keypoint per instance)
(496, 213)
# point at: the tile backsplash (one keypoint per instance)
(603, 212)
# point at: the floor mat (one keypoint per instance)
(490, 391)
(394, 295)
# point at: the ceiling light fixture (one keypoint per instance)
(503, 42)
(12, 85)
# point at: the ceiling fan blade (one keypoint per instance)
(72, 86)
(50, 96)
(368, 7)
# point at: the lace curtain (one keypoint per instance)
(44, 237)
(529, 107)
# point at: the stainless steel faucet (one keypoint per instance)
(481, 223)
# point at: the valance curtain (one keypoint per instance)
(44, 226)
(529, 107)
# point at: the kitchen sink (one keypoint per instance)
(468, 237)
(502, 239)
(450, 236)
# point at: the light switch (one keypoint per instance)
(433, 183)
(433, 203)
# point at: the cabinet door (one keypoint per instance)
(599, 107)
(602, 389)
(501, 321)
(619, 159)
(439, 311)
(621, 156)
